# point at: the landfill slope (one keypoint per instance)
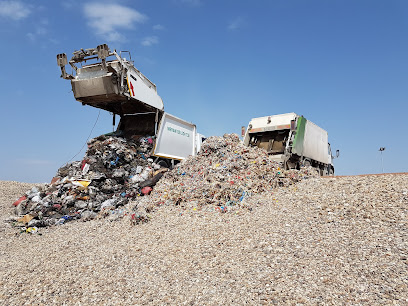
(320, 241)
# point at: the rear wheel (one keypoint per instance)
(290, 165)
(163, 164)
(331, 171)
(307, 163)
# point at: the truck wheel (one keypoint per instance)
(323, 172)
(331, 171)
(307, 163)
(290, 165)
(163, 164)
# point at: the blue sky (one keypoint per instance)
(340, 63)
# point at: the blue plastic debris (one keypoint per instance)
(113, 163)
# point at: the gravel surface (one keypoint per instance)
(321, 241)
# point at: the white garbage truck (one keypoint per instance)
(292, 140)
(118, 87)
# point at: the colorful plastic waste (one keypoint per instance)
(32, 230)
(23, 198)
(146, 190)
(25, 219)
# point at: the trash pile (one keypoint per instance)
(224, 174)
(113, 171)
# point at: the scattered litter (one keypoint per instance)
(146, 190)
(23, 198)
(25, 219)
(29, 230)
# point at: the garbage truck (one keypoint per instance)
(292, 140)
(105, 79)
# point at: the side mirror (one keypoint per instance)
(337, 153)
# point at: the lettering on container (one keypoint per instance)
(177, 131)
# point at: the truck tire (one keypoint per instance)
(331, 171)
(163, 164)
(290, 165)
(307, 163)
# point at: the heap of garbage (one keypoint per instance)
(224, 174)
(116, 171)
(113, 171)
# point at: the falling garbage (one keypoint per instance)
(113, 171)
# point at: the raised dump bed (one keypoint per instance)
(116, 85)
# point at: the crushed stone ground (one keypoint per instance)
(322, 241)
